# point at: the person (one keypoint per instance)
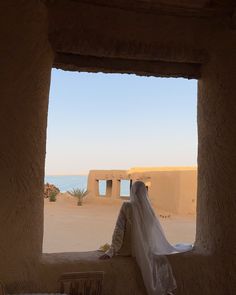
(138, 233)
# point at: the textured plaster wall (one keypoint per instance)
(148, 37)
(25, 77)
(217, 153)
(25, 67)
(211, 268)
(122, 275)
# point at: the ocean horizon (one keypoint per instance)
(68, 182)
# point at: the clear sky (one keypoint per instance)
(119, 121)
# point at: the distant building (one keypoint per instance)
(171, 189)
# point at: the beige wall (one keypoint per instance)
(165, 191)
(112, 176)
(170, 189)
(188, 192)
(192, 41)
(217, 153)
(173, 190)
(25, 66)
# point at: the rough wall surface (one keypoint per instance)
(25, 67)
(217, 153)
(216, 206)
(130, 35)
(25, 77)
(121, 274)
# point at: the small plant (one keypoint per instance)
(53, 197)
(79, 194)
(49, 188)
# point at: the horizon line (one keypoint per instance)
(66, 175)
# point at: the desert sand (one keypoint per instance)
(72, 228)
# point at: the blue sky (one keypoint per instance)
(119, 121)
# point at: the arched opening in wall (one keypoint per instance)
(106, 131)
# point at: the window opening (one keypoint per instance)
(102, 188)
(122, 126)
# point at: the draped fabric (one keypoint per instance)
(150, 244)
(121, 235)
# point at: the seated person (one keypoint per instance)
(138, 232)
(121, 238)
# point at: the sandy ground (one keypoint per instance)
(72, 228)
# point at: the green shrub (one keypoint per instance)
(53, 197)
(49, 188)
(79, 194)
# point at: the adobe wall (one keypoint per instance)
(25, 78)
(216, 151)
(112, 177)
(26, 61)
(172, 189)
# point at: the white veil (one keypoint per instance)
(150, 244)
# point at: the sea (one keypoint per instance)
(68, 182)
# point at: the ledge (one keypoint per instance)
(118, 271)
(75, 62)
(70, 257)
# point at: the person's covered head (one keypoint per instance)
(140, 201)
(138, 191)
